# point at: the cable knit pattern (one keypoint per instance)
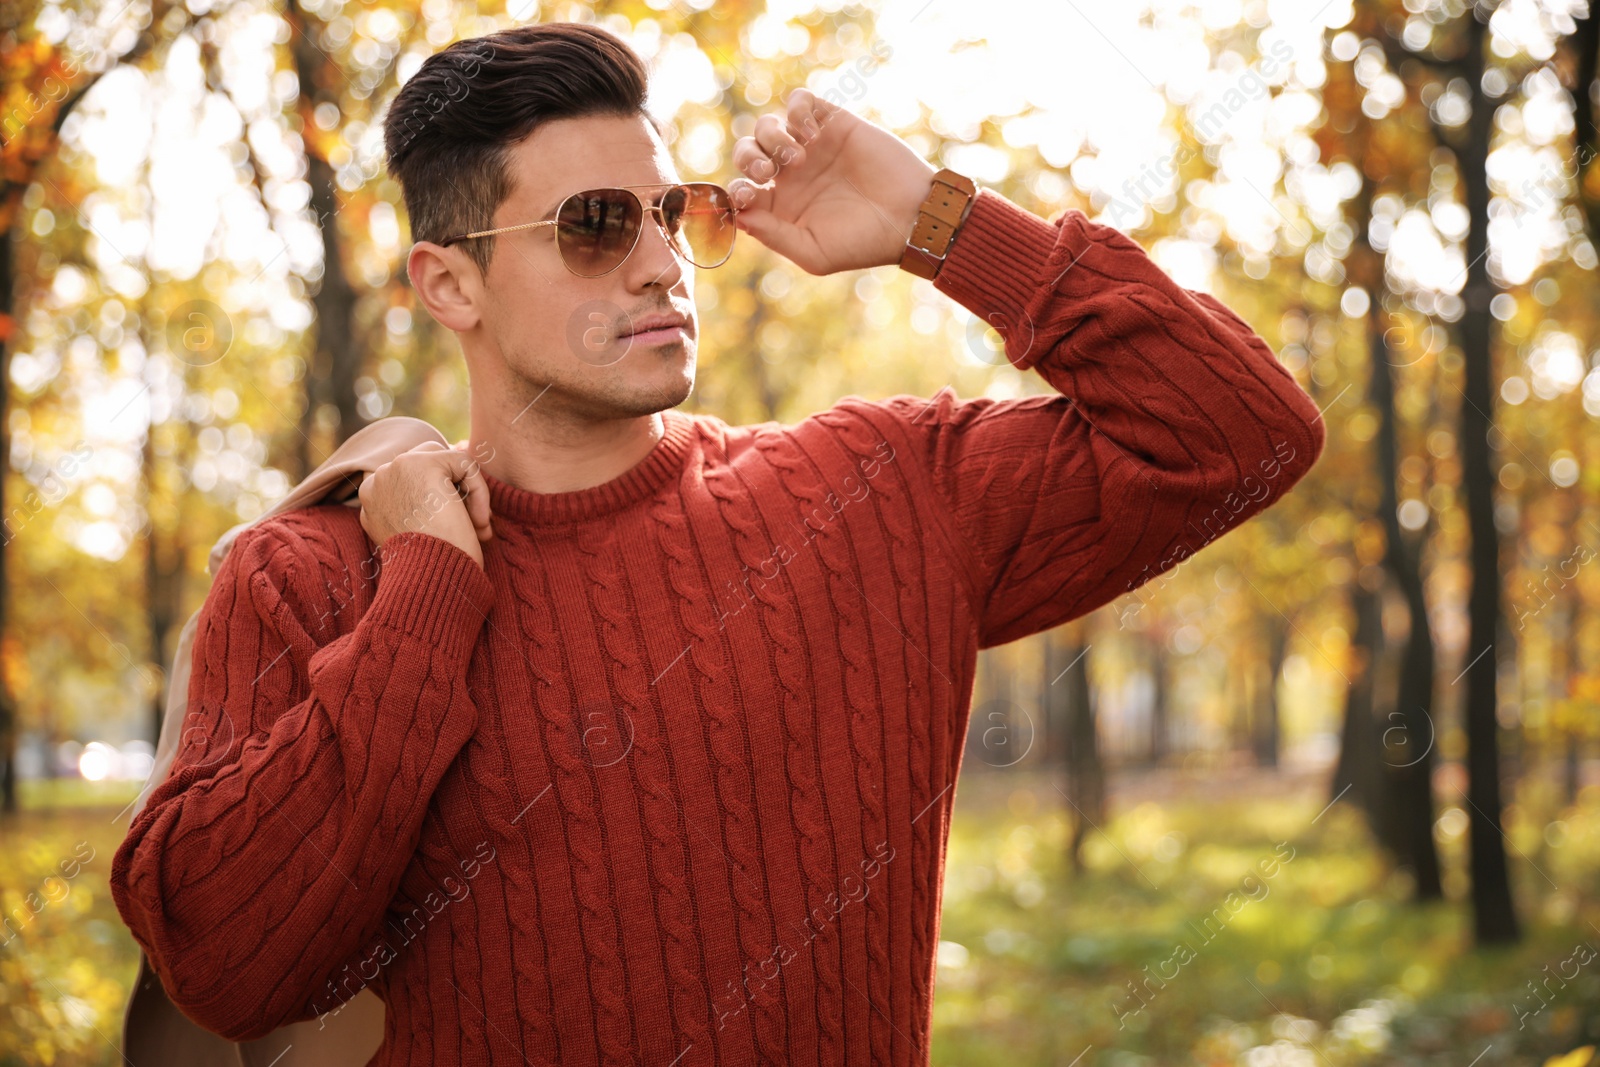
(889, 501)
(668, 780)
(815, 991)
(728, 735)
(853, 647)
(560, 707)
(631, 740)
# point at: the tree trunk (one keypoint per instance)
(8, 330)
(1358, 777)
(1086, 780)
(163, 577)
(1408, 741)
(1399, 798)
(1160, 713)
(336, 361)
(1585, 42)
(1494, 917)
(1574, 670)
(1240, 684)
(1265, 729)
(1563, 667)
(1053, 707)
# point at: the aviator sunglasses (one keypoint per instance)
(596, 229)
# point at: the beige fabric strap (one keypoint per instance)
(154, 1030)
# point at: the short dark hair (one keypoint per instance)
(448, 133)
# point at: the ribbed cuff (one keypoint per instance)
(432, 590)
(998, 260)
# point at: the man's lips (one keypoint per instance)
(657, 329)
(665, 335)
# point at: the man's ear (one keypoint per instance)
(447, 282)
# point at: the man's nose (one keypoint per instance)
(655, 260)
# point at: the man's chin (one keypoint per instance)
(632, 388)
(637, 404)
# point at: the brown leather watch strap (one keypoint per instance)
(941, 215)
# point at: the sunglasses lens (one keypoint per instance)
(597, 229)
(699, 218)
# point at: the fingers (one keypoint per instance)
(478, 508)
(771, 148)
(808, 113)
(464, 474)
(747, 197)
(780, 141)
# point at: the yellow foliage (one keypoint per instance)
(1578, 1057)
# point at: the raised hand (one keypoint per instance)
(826, 188)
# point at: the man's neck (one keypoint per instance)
(554, 455)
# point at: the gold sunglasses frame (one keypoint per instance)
(647, 209)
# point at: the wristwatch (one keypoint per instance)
(940, 216)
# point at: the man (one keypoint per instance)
(642, 745)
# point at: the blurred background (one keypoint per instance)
(1328, 793)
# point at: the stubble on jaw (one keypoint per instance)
(558, 400)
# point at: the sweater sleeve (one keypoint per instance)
(268, 858)
(1172, 422)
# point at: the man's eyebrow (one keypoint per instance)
(654, 198)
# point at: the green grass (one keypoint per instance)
(46, 794)
(1323, 962)
(66, 968)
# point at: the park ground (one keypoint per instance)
(1233, 919)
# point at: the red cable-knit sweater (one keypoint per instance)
(670, 783)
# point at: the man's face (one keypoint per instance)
(551, 327)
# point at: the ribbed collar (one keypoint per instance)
(636, 483)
